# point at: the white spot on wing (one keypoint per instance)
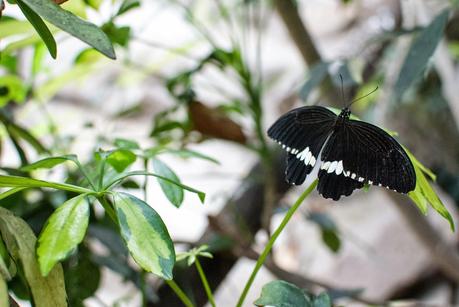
(308, 158)
(313, 161)
(361, 179)
(332, 167)
(339, 167)
(326, 165)
(370, 182)
(353, 175)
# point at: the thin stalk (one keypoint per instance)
(271, 241)
(101, 174)
(108, 208)
(85, 174)
(179, 292)
(205, 283)
(143, 286)
(145, 183)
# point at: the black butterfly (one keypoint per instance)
(355, 152)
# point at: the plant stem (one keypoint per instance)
(205, 283)
(181, 295)
(108, 208)
(271, 241)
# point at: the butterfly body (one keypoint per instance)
(353, 153)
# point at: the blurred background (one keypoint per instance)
(211, 76)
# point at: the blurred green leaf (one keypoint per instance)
(10, 192)
(5, 262)
(322, 300)
(81, 29)
(126, 144)
(127, 5)
(40, 27)
(4, 297)
(145, 235)
(122, 176)
(20, 241)
(48, 162)
(14, 27)
(88, 56)
(173, 192)
(95, 4)
(187, 153)
(421, 50)
(345, 73)
(280, 293)
(14, 90)
(120, 159)
(118, 35)
(328, 230)
(37, 61)
(315, 76)
(331, 239)
(82, 277)
(64, 230)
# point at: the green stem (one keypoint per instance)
(108, 208)
(271, 241)
(85, 174)
(181, 295)
(101, 174)
(205, 283)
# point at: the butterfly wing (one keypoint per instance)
(363, 153)
(302, 132)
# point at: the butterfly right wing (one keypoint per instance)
(302, 132)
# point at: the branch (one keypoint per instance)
(288, 11)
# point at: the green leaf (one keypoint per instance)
(118, 35)
(173, 192)
(122, 176)
(4, 297)
(24, 182)
(20, 241)
(15, 27)
(95, 4)
(424, 193)
(280, 293)
(82, 277)
(64, 230)
(127, 5)
(322, 300)
(187, 153)
(13, 89)
(421, 50)
(328, 229)
(38, 55)
(194, 253)
(40, 27)
(5, 262)
(126, 144)
(120, 159)
(331, 239)
(67, 21)
(48, 162)
(316, 75)
(11, 192)
(145, 235)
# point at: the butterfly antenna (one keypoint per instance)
(342, 90)
(377, 87)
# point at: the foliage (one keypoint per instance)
(97, 200)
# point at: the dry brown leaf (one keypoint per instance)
(213, 123)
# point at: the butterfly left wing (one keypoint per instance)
(302, 133)
(358, 153)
